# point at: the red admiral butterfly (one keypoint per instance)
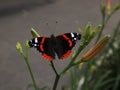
(60, 45)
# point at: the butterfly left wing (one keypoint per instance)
(65, 43)
(44, 46)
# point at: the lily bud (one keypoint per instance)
(26, 44)
(19, 48)
(116, 7)
(96, 49)
(108, 6)
(80, 30)
(87, 31)
(34, 33)
(103, 10)
(94, 32)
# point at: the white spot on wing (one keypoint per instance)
(35, 45)
(30, 41)
(75, 39)
(36, 40)
(72, 35)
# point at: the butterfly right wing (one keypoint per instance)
(43, 45)
(65, 43)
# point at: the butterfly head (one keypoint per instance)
(33, 42)
(52, 36)
(75, 36)
(78, 36)
(30, 43)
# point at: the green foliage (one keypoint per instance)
(111, 62)
(106, 74)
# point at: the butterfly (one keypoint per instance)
(60, 45)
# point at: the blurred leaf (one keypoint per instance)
(100, 80)
(117, 83)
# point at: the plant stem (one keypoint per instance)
(53, 67)
(30, 71)
(56, 82)
(81, 47)
(68, 67)
(57, 76)
(104, 22)
(101, 30)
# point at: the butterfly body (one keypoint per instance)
(51, 46)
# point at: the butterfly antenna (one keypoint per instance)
(55, 27)
(48, 27)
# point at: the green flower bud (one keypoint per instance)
(95, 31)
(80, 30)
(87, 31)
(19, 48)
(34, 33)
(116, 7)
(103, 10)
(26, 44)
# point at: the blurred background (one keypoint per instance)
(17, 17)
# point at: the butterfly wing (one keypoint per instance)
(43, 45)
(65, 43)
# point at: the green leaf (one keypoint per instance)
(117, 83)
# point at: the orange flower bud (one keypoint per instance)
(96, 49)
(108, 6)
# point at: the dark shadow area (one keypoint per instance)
(13, 9)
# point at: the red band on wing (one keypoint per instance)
(49, 58)
(66, 54)
(70, 42)
(41, 44)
